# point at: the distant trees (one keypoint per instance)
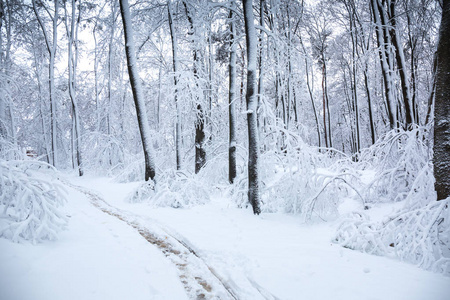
(334, 74)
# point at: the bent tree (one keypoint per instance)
(252, 106)
(441, 149)
(136, 88)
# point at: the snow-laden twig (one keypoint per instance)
(30, 199)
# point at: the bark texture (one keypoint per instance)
(441, 149)
(231, 99)
(200, 151)
(252, 106)
(136, 88)
(176, 69)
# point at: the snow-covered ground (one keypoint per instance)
(272, 256)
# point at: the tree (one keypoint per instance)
(252, 106)
(72, 60)
(441, 149)
(136, 88)
(176, 69)
(231, 99)
(52, 46)
(200, 152)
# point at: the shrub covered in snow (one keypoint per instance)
(418, 232)
(29, 201)
(301, 179)
(104, 153)
(418, 235)
(397, 159)
(173, 189)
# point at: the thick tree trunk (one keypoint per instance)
(252, 106)
(441, 159)
(176, 69)
(136, 88)
(231, 101)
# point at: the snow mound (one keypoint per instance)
(30, 199)
(420, 236)
(173, 189)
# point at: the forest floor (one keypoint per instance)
(113, 249)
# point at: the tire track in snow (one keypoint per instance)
(199, 279)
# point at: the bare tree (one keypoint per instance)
(252, 106)
(72, 59)
(176, 69)
(231, 99)
(51, 48)
(200, 152)
(136, 88)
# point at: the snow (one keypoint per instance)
(98, 257)
(271, 256)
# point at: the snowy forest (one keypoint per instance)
(237, 147)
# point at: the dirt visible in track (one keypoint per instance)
(199, 280)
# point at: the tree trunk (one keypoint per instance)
(369, 104)
(231, 101)
(51, 48)
(72, 62)
(110, 63)
(261, 59)
(310, 89)
(402, 69)
(252, 106)
(3, 130)
(176, 69)
(200, 152)
(324, 104)
(385, 65)
(136, 88)
(441, 159)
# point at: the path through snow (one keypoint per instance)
(210, 251)
(199, 280)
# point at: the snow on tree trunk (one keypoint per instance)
(136, 88)
(402, 69)
(3, 131)
(72, 61)
(231, 101)
(176, 69)
(252, 105)
(51, 48)
(442, 108)
(200, 152)
(385, 68)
